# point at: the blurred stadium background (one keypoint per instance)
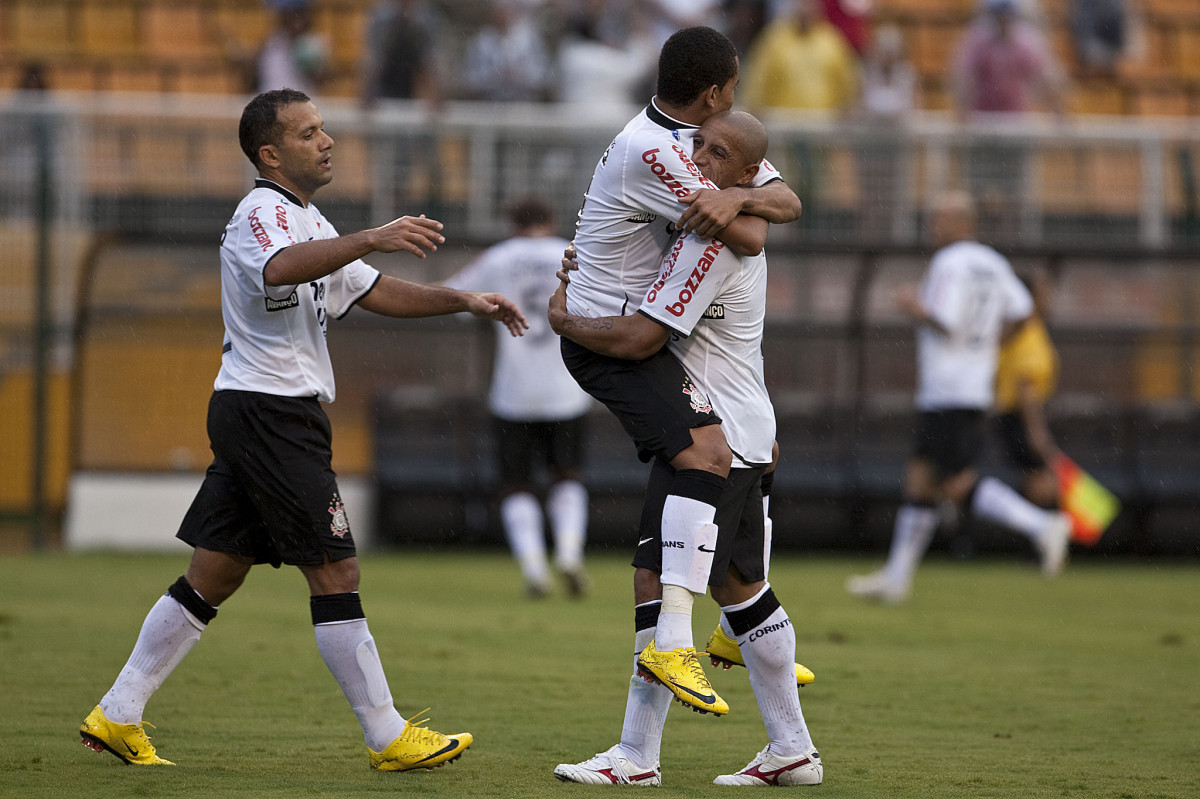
(118, 180)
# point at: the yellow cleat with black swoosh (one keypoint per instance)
(420, 747)
(680, 671)
(724, 651)
(127, 741)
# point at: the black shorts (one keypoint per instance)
(1011, 431)
(521, 445)
(270, 492)
(655, 400)
(952, 440)
(741, 532)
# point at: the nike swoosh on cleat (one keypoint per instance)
(702, 549)
(132, 751)
(447, 748)
(706, 698)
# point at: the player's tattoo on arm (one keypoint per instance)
(585, 323)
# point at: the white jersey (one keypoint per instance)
(275, 335)
(715, 303)
(629, 211)
(529, 381)
(971, 291)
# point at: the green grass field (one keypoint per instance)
(991, 682)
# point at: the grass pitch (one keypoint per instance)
(991, 682)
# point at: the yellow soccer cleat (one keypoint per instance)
(420, 747)
(680, 670)
(127, 741)
(724, 651)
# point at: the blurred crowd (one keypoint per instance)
(831, 56)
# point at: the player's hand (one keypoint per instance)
(709, 211)
(414, 234)
(557, 309)
(908, 302)
(570, 263)
(498, 308)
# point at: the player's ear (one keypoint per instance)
(268, 156)
(748, 174)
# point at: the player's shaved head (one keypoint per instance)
(952, 218)
(744, 132)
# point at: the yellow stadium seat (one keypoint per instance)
(40, 28)
(179, 31)
(108, 29)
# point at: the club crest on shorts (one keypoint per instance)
(697, 398)
(339, 525)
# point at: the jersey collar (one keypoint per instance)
(662, 120)
(263, 183)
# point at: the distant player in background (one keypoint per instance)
(968, 296)
(1026, 377)
(270, 494)
(539, 410)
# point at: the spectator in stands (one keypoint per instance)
(967, 298)
(400, 57)
(744, 21)
(604, 59)
(1003, 66)
(1099, 33)
(507, 59)
(539, 411)
(853, 19)
(293, 56)
(33, 77)
(889, 85)
(800, 61)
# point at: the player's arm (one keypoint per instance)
(634, 338)
(739, 216)
(313, 260)
(391, 296)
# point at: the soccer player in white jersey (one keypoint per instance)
(632, 206)
(967, 300)
(708, 307)
(539, 410)
(270, 495)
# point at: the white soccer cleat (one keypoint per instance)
(608, 768)
(1053, 544)
(767, 769)
(879, 587)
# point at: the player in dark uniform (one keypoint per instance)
(270, 495)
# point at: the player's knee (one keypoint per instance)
(710, 451)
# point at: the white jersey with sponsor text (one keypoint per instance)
(715, 303)
(971, 291)
(275, 336)
(629, 211)
(529, 381)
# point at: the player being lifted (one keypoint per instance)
(707, 308)
(270, 495)
(631, 209)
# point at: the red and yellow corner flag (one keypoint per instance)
(1091, 506)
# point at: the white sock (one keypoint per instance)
(567, 507)
(168, 634)
(997, 501)
(770, 654)
(675, 620)
(522, 517)
(913, 531)
(349, 651)
(645, 713)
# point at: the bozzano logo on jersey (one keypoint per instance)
(692, 285)
(670, 181)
